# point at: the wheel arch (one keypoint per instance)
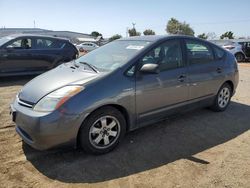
(230, 83)
(120, 108)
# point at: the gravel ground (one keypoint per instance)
(196, 149)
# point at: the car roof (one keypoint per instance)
(34, 35)
(154, 38)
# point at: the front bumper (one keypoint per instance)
(45, 130)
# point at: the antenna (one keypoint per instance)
(133, 25)
(127, 32)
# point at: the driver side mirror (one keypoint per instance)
(150, 68)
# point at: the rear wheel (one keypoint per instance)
(223, 98)
(102, 131)
(239, 57)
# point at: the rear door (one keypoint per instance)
(48, 52)
(156, 93)
(205, 71)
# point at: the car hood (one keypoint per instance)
(65, 74)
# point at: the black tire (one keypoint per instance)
(217, 104)
(239, 57)
(87, 138)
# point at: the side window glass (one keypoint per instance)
(131, 71)
(198, 52)
(168, 55)
(152, 56)
(58, 44)
(43, 43)
(219, 53)
(20, 44)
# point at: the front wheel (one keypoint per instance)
(222, 98)
(102, 131)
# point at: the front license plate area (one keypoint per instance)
(13, 113)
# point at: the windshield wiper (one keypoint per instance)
(77, 66)
(91, 66)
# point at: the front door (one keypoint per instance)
(16, 56)
(156, 93)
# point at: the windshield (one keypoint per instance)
(3, 40)
(113, 55)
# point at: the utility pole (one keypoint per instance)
(34, 24)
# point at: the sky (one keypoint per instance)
(111, 17)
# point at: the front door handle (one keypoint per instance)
(182, 78)
(219, 70)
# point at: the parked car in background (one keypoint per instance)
(245, 48)
(33, 54)
(240, 49)
(86, 46)
(129, 83)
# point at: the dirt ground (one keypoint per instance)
(196, 149)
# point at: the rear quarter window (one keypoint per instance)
(58, 44)
(198, 52)
(219, 53)
(70, 46)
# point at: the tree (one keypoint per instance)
(202, 36)
(176, 27)
(133, 32)
(95, 34)
(148, 32)
(228, 34)
(115, 37)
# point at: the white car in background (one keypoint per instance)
(240, 49)
(86, 46)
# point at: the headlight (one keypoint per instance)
(55, 99)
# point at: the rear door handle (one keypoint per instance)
(219, 70)
(182, 78)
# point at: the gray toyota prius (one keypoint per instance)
(91, 102)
